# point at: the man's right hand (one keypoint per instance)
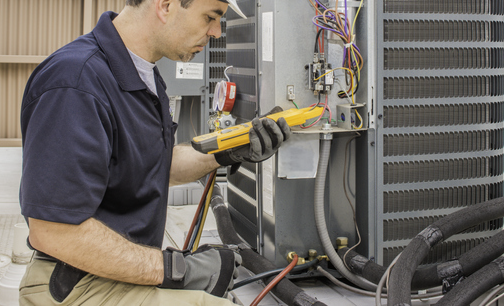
(209, 268)
(265, 137)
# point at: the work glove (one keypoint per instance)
(211, 268)
(265, 136)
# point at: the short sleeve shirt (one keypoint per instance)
(96, 142)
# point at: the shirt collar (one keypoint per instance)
(117, 55)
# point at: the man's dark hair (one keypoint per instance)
(183, 3)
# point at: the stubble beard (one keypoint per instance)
(187, 57)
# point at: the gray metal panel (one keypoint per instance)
(285, 206)
(289, 55)
(427, 96)
(292, 200)
(290, 224)
(244, 72)
(243, 47)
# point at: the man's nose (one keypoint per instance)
(215, 30)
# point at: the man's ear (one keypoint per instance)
(163, 7)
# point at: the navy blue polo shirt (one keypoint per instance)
(96, 142)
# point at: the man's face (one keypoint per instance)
(190, 28)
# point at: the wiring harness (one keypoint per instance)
(321, 77)
(336, 22)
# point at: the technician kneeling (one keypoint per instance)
(99, 155)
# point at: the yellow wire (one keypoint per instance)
(205, 212)
(351, 75)
(327, 73)
(356, 63)
(352, 35)
(343, 68)
(361, 122)
(355, 18)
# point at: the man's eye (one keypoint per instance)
(210, 19)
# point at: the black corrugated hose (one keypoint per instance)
(432, 276)
(285, 290)
(475, 285)
(418, 248)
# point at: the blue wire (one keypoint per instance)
(195, 230)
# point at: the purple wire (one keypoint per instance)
(325, 8)
(346, 20)
(332, 30)
(323, 27)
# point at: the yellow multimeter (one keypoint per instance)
(238, 135)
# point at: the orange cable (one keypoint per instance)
(198, 210)
(275, 281)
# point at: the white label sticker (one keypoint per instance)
(232, 92)
(267, 174)
(189, 71)
(267, 36)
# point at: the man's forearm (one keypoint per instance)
(95, 248)
(188, 165)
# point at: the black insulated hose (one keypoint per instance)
(475, 285)
(274, 273)
(418, 248)
(432, 276)
(422, 279)
(285, 290)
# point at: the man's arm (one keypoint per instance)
(93, 247)
(188, 165)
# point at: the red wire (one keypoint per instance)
(330, 111)
(349, 59)
(198, 210)
(275, 281)
(319, 45)
(326, 106)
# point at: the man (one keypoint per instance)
(98, 156)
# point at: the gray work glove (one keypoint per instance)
(211, 268)
(265, 136)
